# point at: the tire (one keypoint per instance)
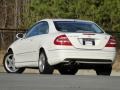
(9, 65)
(103, 69)
(43, 65)
(68, 70)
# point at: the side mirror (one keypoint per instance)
(19, 35)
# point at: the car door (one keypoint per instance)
(28, 46)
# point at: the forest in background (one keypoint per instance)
(23, 13)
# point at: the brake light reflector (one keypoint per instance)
(62, 40)
(111, 42)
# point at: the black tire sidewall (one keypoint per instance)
(104, 69)
(68, 71)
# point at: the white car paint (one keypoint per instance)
(26, 50)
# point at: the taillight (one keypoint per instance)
(111, 42)
(62, 40)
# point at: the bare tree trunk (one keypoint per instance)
(3, 13)
(10, 14)
(16, 14)
(24, 10)
(5, 20)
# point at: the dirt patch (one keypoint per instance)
(116, 65)
(1, 56)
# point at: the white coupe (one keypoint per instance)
(63, 44)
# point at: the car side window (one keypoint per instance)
(38, 29)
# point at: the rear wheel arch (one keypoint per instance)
(45, 50)
(10, 50)
(41, 50)
(47, 68)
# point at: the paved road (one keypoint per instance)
(57, 82)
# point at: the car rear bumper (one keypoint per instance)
(81, 56)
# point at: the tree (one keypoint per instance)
(105, 12)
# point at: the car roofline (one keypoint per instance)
(66, 20)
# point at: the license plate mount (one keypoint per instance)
(88, 41)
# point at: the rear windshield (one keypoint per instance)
(77, 27)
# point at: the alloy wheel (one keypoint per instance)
(10, 64)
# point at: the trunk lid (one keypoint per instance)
(88, 40)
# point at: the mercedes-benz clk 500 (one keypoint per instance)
(63, 44)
